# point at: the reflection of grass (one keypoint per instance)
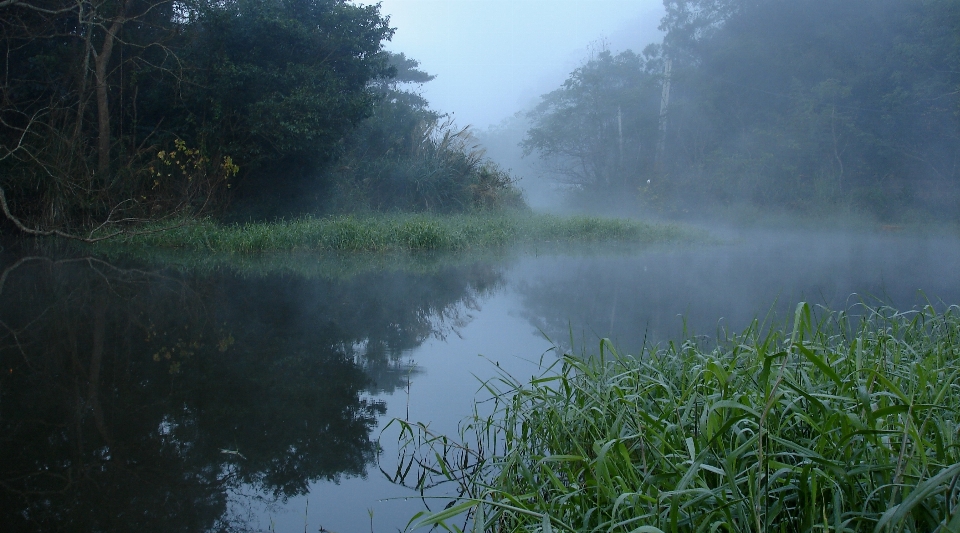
(341, 265)
(842, 424)
(416, 232)
(303, 264)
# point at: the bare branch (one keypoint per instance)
(45, 233)
(26, 5)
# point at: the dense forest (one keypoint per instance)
(118, 111)
(793, 105)
(115, 111)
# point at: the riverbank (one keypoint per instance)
(842, 422)
(405, 232)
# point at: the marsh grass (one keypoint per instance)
(844, 422)
(305, 264)
(407, 232)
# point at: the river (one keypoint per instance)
(183, 392)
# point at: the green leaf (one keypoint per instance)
(820, 363)
(433, 519)
(897, 513)
(547, 528)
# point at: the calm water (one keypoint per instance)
(140, 396)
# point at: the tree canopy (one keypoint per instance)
(595, 127)
(794, 104)
(279, 80)
(115, 111)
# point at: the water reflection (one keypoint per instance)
(149, 399)
(662, 294)
(136, 400)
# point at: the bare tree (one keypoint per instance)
(60, 162)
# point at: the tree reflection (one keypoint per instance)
(662, 295)
(132, 400)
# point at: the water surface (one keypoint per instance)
(250, 395)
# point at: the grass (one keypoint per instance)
(844, 422)
(403, 232)
(302, 264)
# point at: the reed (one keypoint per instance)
(848, 421)
(404, 232)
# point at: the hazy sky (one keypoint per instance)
(494, 57)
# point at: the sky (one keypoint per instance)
(493, 58)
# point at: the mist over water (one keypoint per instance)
(660, 294)
(264, 395)
(159, 390)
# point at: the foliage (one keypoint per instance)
(597, 129)
(775, 103)
(405, 232)
(438, 169)
(69, 150)
(409, 157)
(187, 176)
(298, 96)
(279, 82)
(846, 422)
(844, 102)
(94, 92)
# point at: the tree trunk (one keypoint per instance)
(664, 106)
(96, 365)
(101, 64)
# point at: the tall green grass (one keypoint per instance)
(303, 264)
(407, 232)
(840, 423)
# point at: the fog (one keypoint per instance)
(843, 107)
(249, 383)
(643, 108)
(299, 364)
(493, 58)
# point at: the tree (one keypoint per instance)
(692, 22)
(599, 129)
(408, 156)
(800, 104)
(77, 158)
(277, 84)
(94, 93)
(818, 103)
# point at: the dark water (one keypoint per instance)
(137, 396)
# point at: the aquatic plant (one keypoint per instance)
(848, 421)
(406, 231)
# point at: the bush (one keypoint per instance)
(437, 168)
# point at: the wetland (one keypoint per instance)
(164, 394)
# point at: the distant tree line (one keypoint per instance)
(796, 104)
(113, 111)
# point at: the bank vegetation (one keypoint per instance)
(842, 422)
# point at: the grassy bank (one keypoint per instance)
(382, 233)
(839, 423)
(305, 264)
